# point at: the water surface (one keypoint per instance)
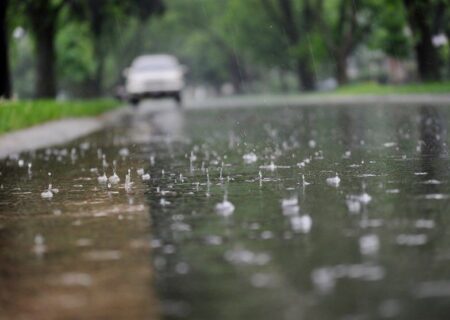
(296, 246)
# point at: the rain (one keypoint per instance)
(216, 209)
(224, 160)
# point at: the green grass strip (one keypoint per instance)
(21, 114)
(375, 88)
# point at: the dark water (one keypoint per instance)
(387, 260)
(374, 246)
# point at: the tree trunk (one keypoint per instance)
(42, 17)
(97, 81)
(428, 61)
(5, 81)
(283, 83)
(341, 69)
(97, 19)
(305, 74)
(236, 73)
(45, 64)
(427, 57)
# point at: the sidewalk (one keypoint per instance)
(55, 132)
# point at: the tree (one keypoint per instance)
(41, 17)
(295, 21)
(5, 82)
(208, 46)
(342, 31)
(103, 18)
(389, 29)
(422, 17)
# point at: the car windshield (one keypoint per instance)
(154, 64)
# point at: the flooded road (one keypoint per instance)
(268, 213)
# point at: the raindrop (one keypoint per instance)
(301, 224)
(114, 179)
(270, 167)
(128, 182)
(224, 208)
(369, 244)
(39, 247)
(163, 202)
(47, 194)
(102, 179)
(334, 181)
(304, 182)
(353, 205)
(411, 239)
(250, 158)
(289, 202)
(124, 152)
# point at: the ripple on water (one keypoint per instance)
(325, 278)
(432, 289)
(411, 239)
(301, 224)
(369, 244)
(240, 256)
(72, 279)
(103, 255)
(434, 196)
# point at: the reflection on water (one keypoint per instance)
(374, 245)
(433, 132)
(83, 253)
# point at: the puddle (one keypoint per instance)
(279, 213)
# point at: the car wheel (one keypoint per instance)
(134, 102)
(178, 99)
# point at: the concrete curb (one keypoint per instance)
(325, 100)
(55, 132)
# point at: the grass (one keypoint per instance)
(375, 88)
(21, 114)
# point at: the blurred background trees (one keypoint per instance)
(5, 82)
(79, 48)
(427, 19)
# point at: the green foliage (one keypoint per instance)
(258, 36)
(76, 61)
(376, 88)
(219, 40)
(196, 32)
(22, 66)
(390, 31)
(21, 114)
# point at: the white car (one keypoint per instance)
(154, 76)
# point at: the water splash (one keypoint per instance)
(224, 208)
(334, 181)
